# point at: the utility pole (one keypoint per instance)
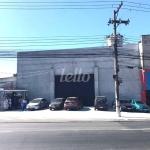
(116, 22)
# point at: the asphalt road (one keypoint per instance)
(75, 136)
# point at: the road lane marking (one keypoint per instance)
(55, 130)
(5, 131)
(136, 129)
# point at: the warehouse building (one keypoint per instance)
(82, 72)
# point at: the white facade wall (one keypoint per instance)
(37, 75)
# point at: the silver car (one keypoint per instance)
(37, 103)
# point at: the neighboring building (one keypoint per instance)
(144, 48)
(43, 73)
(8, 82)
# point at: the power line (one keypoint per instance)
(140, 7)
(38, 6)
(130, 36)
(53, 6)
(57, 43)
(51, 41)
(73, 2)
(65, 36)
(104, 54)
(58, 2)
(137, 3)
(60, 8)
(136, 10)
(72, 36)
(52, 69)
(98, 42)
(40, 71)
(72, 5)
(59, 40)
(66, 40)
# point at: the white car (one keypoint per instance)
(37, 103)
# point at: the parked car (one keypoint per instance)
(139, 105)
(100, 102)
(124, 105)
(37, 103)
(73, 103)
(57, 103)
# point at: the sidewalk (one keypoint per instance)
(86, 114)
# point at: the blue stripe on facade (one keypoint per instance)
(147, 80)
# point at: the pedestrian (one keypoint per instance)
(5, 104)
(10, 104)
(16, 103)
(24, 104)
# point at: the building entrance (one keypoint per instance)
(78, 88)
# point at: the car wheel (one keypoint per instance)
(50, 108)
(78, 108)
(138, 110)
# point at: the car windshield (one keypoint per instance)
(57, 100)
(71, 99)
(100, 98)
(124, 101)
(35, 101)
(139, 102)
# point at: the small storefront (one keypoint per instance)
(11, 99)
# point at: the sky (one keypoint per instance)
(40, 26)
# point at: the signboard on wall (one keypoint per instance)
(147, 80)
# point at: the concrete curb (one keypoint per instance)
(8, 120)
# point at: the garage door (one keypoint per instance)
(79, 88)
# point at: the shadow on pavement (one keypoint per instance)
(83, 109)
